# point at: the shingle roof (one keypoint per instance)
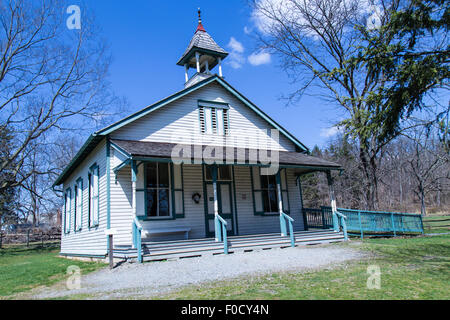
(96, 137)
(241, 155)
(203, 41)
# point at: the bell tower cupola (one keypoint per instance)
(202, 55)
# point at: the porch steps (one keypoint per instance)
(231, 239)
(199, 247)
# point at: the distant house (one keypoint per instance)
(167, 179)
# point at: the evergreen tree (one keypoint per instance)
(8, 194)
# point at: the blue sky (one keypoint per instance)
(148, 37)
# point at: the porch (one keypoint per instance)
(164, 250)
(214, 205)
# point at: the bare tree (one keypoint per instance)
(318, 41)
(429, 163)
(52, 81)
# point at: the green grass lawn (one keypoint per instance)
(23, 268)
(411, 268)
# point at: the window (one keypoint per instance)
(67, 210)
(269, 193)
(214, 120)
(223, 173)
(265, 193)
(157, 190)
(94, 190)
(78, 204)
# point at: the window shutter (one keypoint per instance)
(284, 190)
(79, 205)
(177, 190)
(67, 210)
(256, 190)
(94, 196)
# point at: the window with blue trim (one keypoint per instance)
(157, 190)
(265, 193)
(78, 205)
(67, 209)
(94, 192)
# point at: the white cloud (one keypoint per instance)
(236, 45)
(247, 30)
(374, 20)
(287, 8)
(329, 132)
(236, 58)
(259, 58)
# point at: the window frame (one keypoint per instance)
(78, 186)
(214, 106)
(219, 178)
(171, 215)
(286, 206)
(266, 191)
(92, 222)
(174, 190)
(67, 195)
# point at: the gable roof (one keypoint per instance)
(98, 136)
(188, 90)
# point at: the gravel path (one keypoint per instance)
(132, 280)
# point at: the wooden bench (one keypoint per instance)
(168, 230)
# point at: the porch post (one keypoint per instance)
(280, 205)
(333, 201)
(216, 205)
(133, 187)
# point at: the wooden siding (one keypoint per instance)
(121, 201)
(248, 222)
(168, 124)
(180, 119)
(89, 241)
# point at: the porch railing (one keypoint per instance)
(319, 218)
(381, 223)
(221, 227)
(137, 238)
(342, 223)
(284, 218)
(363, 222)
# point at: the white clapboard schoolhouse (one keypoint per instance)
(201, 171)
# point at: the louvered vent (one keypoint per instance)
(209, 120)
(225, 122)
(214, 120)
(202, 119)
